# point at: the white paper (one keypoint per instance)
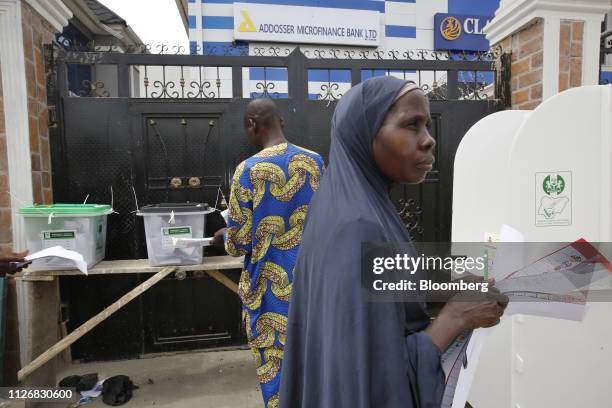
(452, 363)
(509, 234)
(191, 242)
(225, 215)
(170, 234)
(59, 252)
(466, 376)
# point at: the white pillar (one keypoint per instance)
(15, 94)
(550, 73)
(590, 51)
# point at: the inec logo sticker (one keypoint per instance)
(64, 238)
(553, 199)
(553, 184)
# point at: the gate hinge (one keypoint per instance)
(51, 116)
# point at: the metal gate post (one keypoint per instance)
(123, 80)
(298, 78)
(237, 81)
(452, 85)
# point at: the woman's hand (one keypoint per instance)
(441, 299)
(467, 310)
(476, 310)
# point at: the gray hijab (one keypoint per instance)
(342, 351)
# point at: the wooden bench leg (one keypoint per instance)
(224, 280)
(42, 304)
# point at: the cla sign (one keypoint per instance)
(473, 26)
(460, 32)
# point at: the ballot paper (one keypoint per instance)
(59, 252)
(191, 242)
(557, 285)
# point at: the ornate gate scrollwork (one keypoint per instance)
(410, 212)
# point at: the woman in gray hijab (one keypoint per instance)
(342, 351)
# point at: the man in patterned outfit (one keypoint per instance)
(268, 203)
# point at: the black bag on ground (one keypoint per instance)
(117, 390)
(87, 382)
(70, 381)
(80, 382)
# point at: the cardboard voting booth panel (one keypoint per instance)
(561, 175)
(480, 174)
(567, 139)
(556, 188)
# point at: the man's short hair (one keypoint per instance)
(264, 112)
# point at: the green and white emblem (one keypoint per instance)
(553, 184)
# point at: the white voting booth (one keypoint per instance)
(528, 361)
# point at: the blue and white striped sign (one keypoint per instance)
(306, 25)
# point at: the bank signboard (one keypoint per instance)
(309, 25)
(460, 32)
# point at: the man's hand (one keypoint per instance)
(218, 240)
(13, 263)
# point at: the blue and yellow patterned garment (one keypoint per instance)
(268, 203)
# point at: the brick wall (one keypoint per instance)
(36, 32)
(526, 47)
(527, 58)
(570, 54)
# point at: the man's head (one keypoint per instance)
(261, 121)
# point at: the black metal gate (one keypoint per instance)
(150, 128)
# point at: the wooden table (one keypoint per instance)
(41, 289)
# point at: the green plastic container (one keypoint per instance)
(78, 227)
(63, 210)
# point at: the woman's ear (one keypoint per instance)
(282, 123)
